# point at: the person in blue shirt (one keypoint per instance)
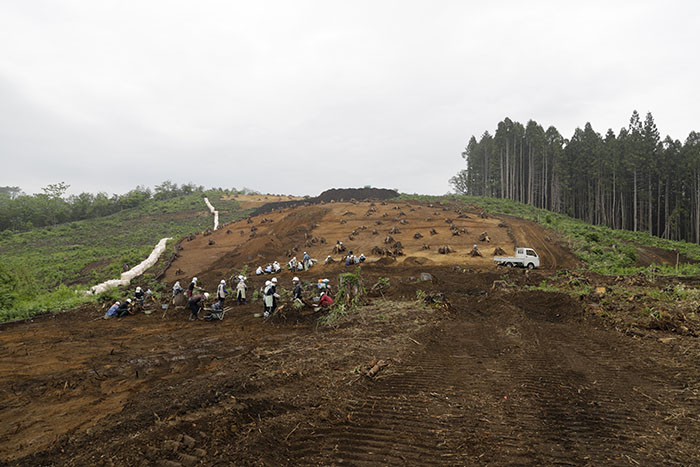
(112, 310)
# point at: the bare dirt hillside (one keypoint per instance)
(362, 226)
(471, 366)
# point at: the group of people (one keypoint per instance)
(197, 297)
(293, 265)
(122, 308)
(303, 265)
(270, 295)
(271, 268)
(351, 259)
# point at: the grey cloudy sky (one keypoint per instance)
(296, 97)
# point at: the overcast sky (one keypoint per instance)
(297, 97)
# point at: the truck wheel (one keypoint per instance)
(510, 265)
(530, 266)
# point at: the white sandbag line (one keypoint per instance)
(136, 271)
(213, 211)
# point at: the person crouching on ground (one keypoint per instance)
(350, 259)
(325, 300)
(124, 309)
(196, 303)
(112, 310)
(177, 288)
(139, 295)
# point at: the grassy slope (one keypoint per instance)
(84, 253)
(604, 250)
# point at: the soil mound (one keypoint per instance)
(385, 261)
(359, 194)
(335, 195)
(416, 261)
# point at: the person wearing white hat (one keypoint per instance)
(177, 288)
(138, 295)
(196, 303)
(307, 261)
(267, 302)
(270, 298)
(296, 293)
(221, 293)
(124, 308)
(191, 288)
(240, 290)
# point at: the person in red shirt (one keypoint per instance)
(325, 300)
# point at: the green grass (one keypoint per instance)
(47, 265)
(602, 249)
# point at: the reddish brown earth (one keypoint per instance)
(498, 376)
(284, 230)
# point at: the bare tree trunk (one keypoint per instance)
(697, 207)
(614, 216)
(503, 184)
(622, 211)
(650, 204)
(666, 234)
(634, 202)
(507, 171)
(486, 172)
(658, 209)
(544, 180)
(530, 166)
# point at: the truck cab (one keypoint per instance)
(524, 258)
(529, 256)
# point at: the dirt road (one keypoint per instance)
(497, 378)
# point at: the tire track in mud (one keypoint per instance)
(392, 421)
(525, 388)
(526, 236)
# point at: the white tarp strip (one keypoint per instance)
(127, 276)
(213, 211)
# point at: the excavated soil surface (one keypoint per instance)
(291, 231)
(484, 374)
(495, 377)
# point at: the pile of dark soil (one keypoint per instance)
(334, 194)
(358, 194)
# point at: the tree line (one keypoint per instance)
(21, 212)
(631, 180)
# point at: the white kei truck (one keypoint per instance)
(524, 258)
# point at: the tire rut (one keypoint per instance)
(546, 394)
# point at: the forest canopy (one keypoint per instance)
(631, 180)
(20, 212)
